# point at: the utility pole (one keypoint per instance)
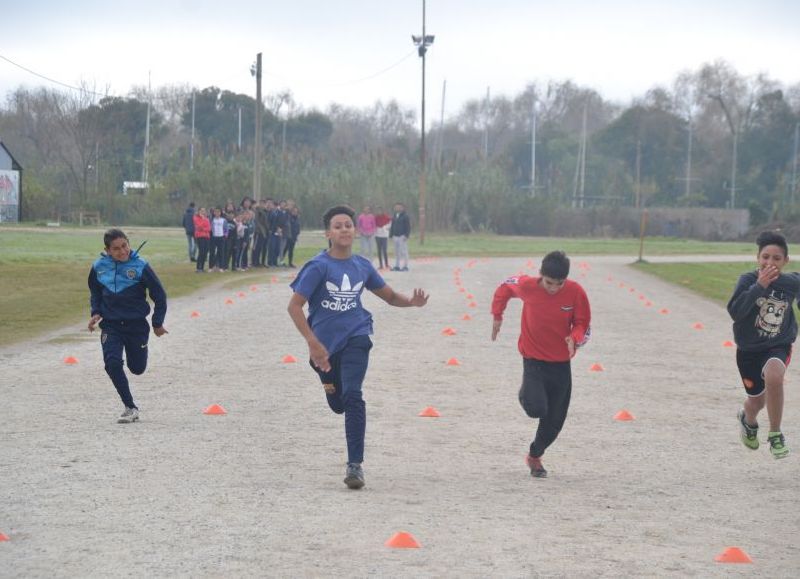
(733, 168)
(533, 147)
(638, 173)
(794, 163)
(486, 126)
(422, 43)
(191, 143)
(239, 141)
(146, 134)
(257, 146)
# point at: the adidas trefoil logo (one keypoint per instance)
(344, 297)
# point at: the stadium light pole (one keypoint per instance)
(255, 70)
(422, 43)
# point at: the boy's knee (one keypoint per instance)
(137, 369)
(532, 408)
(113, 365)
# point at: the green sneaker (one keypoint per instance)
(777, 445)
(749, 433)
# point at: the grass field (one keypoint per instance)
(712, 280)
(44, 270)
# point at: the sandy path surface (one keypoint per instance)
(258, 492)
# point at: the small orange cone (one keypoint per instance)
(449, 332)
(242, 294)
(453, 362)
(228, 301)
(472, 305)
(288, 359)
(71, 360)
(274, 280)
(195, 314)
(727, 344)
(648, 303)
(632, 290)
(623, 416)
(663, 311)
(4, 537)
(429, 412)
(596, 367)
(470, 297)
(214, 409)
(402, 540)
(698, 326)
(733, 555)
(466, 317)
(253, 288)
(462, 289)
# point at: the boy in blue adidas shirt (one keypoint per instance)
(117, 282)
(338, 327)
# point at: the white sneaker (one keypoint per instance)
(130, 415)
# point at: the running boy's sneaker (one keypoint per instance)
(354, 479)
(535, 464)
(777, 445)
(749, 433)
(130, 415)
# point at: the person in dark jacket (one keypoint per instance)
(764, 328)
(188, 227)
(400, 231)
(294, 233)
(118, 283)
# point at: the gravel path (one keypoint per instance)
(258, 492)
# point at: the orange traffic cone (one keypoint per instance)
(274, 280)
(288, 359)
(4, 537)
(242, 294)
(453, 362)
(466, 317)
(228, 301)
(402, 540)
(648, 303)
(624, 416)
(698, 326)
(727, 344)
(449, 332)
(71, 360)
(429, 412)
(214, 409)
(663, 311)
(596, 367)
(195, 314)
(470, 297)
(472, 305)
(733, 555)
(462, 289)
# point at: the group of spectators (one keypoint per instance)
(375, 229)
(254, 234)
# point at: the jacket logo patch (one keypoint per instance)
(512, 281)
(131, 273)
(566, 308)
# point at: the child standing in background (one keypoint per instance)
(382, 223)
(202, 234)
(217, 246)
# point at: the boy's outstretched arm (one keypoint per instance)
(418, 299)
(316, 351)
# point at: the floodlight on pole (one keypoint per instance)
(422, 42)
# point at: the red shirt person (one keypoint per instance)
(556, 319)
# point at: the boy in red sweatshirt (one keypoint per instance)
(555, 322)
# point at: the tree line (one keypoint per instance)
(714, 138)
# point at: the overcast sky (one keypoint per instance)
(355, 52)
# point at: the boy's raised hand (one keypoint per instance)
(767, 275)
(418, 298)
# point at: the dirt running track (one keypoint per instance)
(258, 492)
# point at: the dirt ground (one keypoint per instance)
(258, 492)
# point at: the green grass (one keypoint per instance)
(44, 270)
(712, 280)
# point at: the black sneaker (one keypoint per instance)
(354, 479)
(535, 464)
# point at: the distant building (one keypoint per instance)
(10, 187)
